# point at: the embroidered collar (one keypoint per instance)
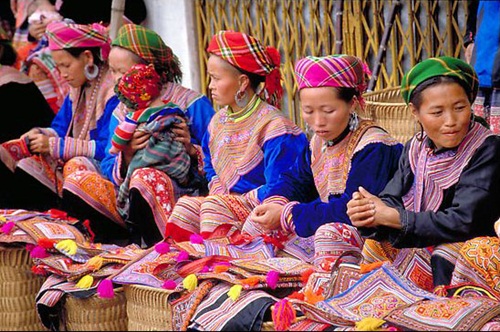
(336, 140)
(246, 111)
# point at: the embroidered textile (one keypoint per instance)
(285, 266)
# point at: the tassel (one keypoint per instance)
(95, 263)
(182, 256)
(283, 315)
(29, 247)
(234, 292)
(39, 252)
(46, 243)
(7, 227)
(169, 284)
(272, 278)
(86, 223)
(105, 289)
(68, 246)
(205, 269)
(369, 324)
(296, 295)
(196, 239)
(85, 282)
(250, 281)
(38, 270)
(365, 268)
(220, 268)
(162, 248)
(304, 276)
(190, 282)
(311, 297)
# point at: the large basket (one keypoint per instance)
(95, 313)
(147, 308)
(18, 289)
(388, 109)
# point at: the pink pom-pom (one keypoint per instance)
(29, 246)
(272, 278)
(182, 256)
(196, 239)
(205, 269)
(283, 315)
(39, 252)
(7, 227)
(105, 289)
(162, 247)
(169, 284)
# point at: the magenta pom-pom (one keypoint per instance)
(169, 284)
(7, 227)
(182, 256)
(162, 247)
(105, 289)
(272, 278)
(39, 252)
(196, 239)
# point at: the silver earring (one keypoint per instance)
(353, 121)
(90, 74)
(241, 98)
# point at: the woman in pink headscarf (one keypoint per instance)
(80, 128)
(345, 152)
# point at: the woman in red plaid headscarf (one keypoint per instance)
(249, 141)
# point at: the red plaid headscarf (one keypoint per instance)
(333, 70)
(248, 54)
(63, 35)
(139, 86)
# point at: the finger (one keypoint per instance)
(365, 192)
(369, 222)
(356, 195)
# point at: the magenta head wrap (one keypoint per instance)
(337, 71)
(62, 35)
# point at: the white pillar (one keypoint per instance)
(175, 22)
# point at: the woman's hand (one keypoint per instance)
(182, 134)
(138, 142)
(37, 29)
(39, 143)
(367, 210)
(267, 216)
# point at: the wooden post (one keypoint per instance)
(338, 26)
(117, 11)
(383, 46)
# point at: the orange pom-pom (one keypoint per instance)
(311, 297)
(304, 276)
(283, 315)
(365, 268)
(251, 281)
(220, 268)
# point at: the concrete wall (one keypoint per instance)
(175, 22)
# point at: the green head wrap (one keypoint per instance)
(441, 66)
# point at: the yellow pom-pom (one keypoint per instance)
(369, 324)
(68, 246)
(190, 282)
(234, 292)
(95, 263)
(85, 282)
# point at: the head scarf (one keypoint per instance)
(248, 54)
(148, 45)
(140, 85)
(441, 66)
(337, 71)
(63, 34)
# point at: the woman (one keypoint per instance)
(92, 193)
(27, 113)
(345, 153)
(81, 125)
(249, 141)
(446, 188)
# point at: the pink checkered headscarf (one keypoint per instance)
(62, 35)
(335, 71)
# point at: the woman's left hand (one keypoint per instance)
(39, 143)
(182, 134)
(267, 216)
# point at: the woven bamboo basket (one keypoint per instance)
(18, 289)
(95, 313)
(388, 109)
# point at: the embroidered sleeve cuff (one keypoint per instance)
(277, 200)
(48, 132)
(54, 145)
(287, 218)
(117, 177)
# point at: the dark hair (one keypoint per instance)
(346, 94)
(416, 96)
(8, 55)
(96, 52)
(255, 79)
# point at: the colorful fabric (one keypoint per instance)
(440, 66)
(487, 106)
(448, 314)
(148, 45)
(248, 54)
(439, 172)
(139, 86)
(62, 35)
(337, 71)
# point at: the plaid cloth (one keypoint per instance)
(63, 35)
(139, 86)
(148, 45)
(441, 66)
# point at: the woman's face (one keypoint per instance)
(445, 114)
(324, 112)
(120, 60)
(71, 68)
(224, 81)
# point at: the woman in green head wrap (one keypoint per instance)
(447, 186)
(152, 193)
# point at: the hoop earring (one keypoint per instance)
(241, 98)
(91, 74)
(353, 121)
